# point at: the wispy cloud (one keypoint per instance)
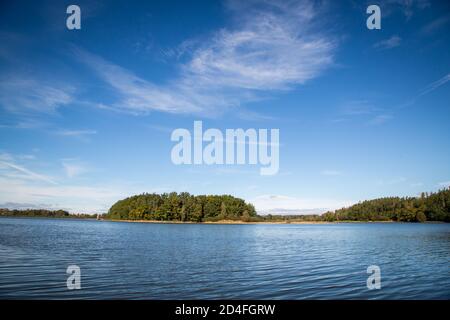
(160, 128)
(24, 95)
(407, 7)
(234, 66)
(380, 119)
(426, 90)
(379, 116)
(73, 167)
(76, 133)
(433, 86)
(26, 124)
(390, 43)
(283, 204)
(392, 181)
(135, 93)
(330, 173)
(416, 184)
(357, 108)
(253, 116)
(7, 163)
(364, 111)
(258, 54)
(435, 25)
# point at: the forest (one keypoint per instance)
(182, 207)
(426, 207)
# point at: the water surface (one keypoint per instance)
(194, 261)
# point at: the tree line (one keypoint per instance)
(182, 207)
(427, 207)
(43, 213)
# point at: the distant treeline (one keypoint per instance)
(182, 207)
(43, 213)
(204, 208)
(427, 207)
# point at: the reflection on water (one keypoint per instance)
(193, 261)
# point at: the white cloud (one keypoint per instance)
(73, 167)
(27, 156)
(25, 124)
(270, 49)
(392, 181)
(390, 43)
(357, 108)
(380, 119)
(76, 133)
(417, 184)
(23, 94)
(137, 94)
(86, 199)
(407, 7)
(363, 109)
(428, 89)
(10, 168)
(281, 203)
(435, 25)
(331, 173)
(433, 86)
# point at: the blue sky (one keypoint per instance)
(86, 115)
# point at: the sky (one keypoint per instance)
(86, 115)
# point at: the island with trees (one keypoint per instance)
(182, 207)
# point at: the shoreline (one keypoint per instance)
(231, 222)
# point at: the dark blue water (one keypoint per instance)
(192, 261)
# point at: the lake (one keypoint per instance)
(199, 261)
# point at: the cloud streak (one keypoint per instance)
(435, 25)
(433, 86)
(331, 173)
(6, 163)
(76, 133)
(390, 43)
(24, 95)
(428, 89)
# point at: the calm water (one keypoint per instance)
(170, 261)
